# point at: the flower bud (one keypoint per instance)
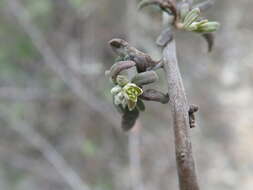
(122, 80)
(118, 98)
(132, 91)
(120, 66)
(115, 90)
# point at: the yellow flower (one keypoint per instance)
(131, 92)
(125, 93)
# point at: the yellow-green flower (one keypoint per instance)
(131, 92)
(127, 95)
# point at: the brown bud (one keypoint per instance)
(129, 118)
(164, 38)
(154, 95)
(145, 78)
(120, 66)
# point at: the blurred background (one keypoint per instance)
(58, 127)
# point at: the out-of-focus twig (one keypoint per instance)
(134, 136)
(54, 63)
(135, 157)
(25, 163)
(25, 94)
(48, 151)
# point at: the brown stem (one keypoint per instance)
(179, 108)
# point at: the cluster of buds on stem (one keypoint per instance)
(125, 93)
(128, 93)
(185, 16)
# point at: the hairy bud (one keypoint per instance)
(122, 80)
(145, 78)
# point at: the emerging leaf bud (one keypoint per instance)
(194, 23)
(208, 27)
(191, 17)
(115, 90)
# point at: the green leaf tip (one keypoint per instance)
(194, 23)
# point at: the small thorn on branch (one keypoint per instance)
(193, 109)
(209, 37)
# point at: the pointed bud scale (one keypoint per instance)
(209, 37)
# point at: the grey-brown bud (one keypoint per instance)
(120, 66)
(129, 118)
(145, 78)
(164, 38)
(154, 95)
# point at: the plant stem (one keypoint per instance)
(179, 108)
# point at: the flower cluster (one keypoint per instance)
(125, 93)
(128, 94)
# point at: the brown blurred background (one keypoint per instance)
(58, 128)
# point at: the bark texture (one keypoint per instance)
(179, 108)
